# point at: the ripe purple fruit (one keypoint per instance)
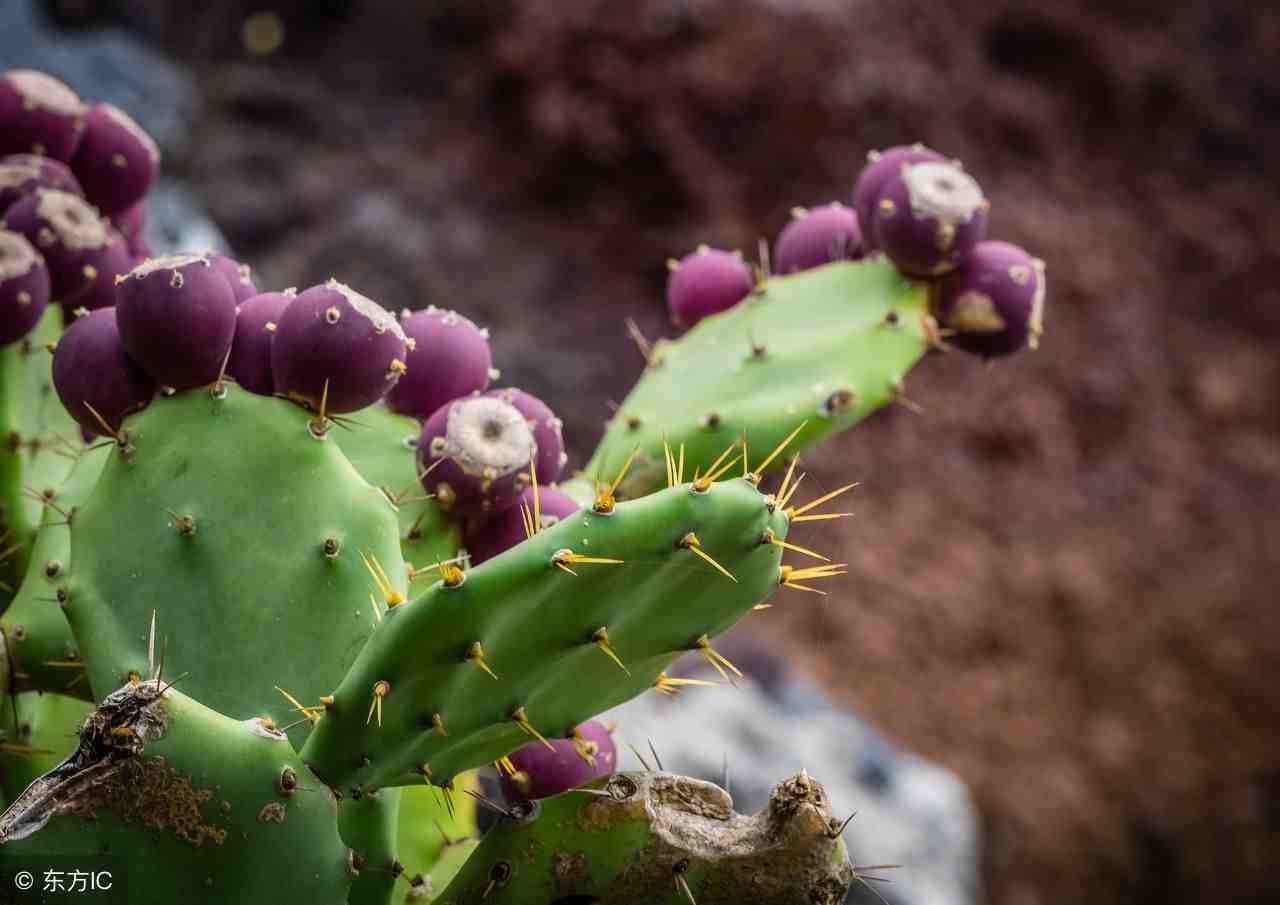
(546, 429)
(22, 174)
(24, 286)
(250, 361)
(76, 243)
(238, 276)
(817, 236)
(177, 317)
(332, 336)
(705, 282)
(39, 115)
(994, 301)
(101, 268)
(450, 359)
(570, 763)
(91, 368)
(929, 217)
(131, 221)
(880, 166)
(116, 161)
(505, 529)
(478, 450)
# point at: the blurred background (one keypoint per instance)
(1063, 573)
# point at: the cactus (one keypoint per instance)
(277, 507)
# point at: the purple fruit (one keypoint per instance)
(250, 361)
(117, 161)
(238, 276)
(332, 335)
(704, 282)
(76, 243)
(929, 217)
(22, 174)
(994, 301)
(101, 269)
(571, 763)
(91, 368)
(131, 221)
(449, 359)
(880, 166)
(505, 529)
(817, 236)
(24, 286)
(546, 429)
(39, 115)
(139, 251)
(478, 449)
(177, 317)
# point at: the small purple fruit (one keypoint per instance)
(101, 269)
(994, 301)
(570, 763)
(22, 174)
(76, 243)
(39, 115)
(333, 336)
(131, 221)
(117, 161)
(880, 166)
(817, 236)
(177, 317)
(238, 276)
(450, 358)
(478, 449)
(91, 368)
(546, 429)
(505, 529)
(705, 282)
(250, 361)
(929, 217)
(24, 286)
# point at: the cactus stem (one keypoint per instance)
(690, 543)
(600, 637)
(718, 660)
(604, 500)
(771, 538)
(756, 474)
(312, 713)
(382, 580)
(475, 654)
(380, 690)
(522, 720)
(791, 513)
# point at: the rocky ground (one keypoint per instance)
(1061, 574)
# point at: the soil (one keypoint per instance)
(1062, 574)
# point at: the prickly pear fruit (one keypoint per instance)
(661, 839)
(336, 347)
(705, 282)
(116, 161)
(570, 763)
(474, 454)
(39, 115)
(817, 236)
(546, 428)
(994, 301)
(94, 376)
(450, 359)
(218, 811)
(503, 530)
(22, 174)
(238, 276)
(131, 221)
(929, 216)
(250, 361)
(880, 167)
(77, 244)
(24, 286)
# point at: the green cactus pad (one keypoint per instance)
(823, 348)
(205, 808)
(430, 821)
(464, 674)
(381, 444)
(37, 729)
(369, 824)
(661, 839)
(38, 441)
(42, 652)
(247, 536)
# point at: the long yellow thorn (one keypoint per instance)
(690, 543)
(605, 493)
(771, 538)
(504, 765)
(671, 465)
(671, 685)
(536, 521)
(566, 557)
(526, 518)
(437, 723)
(600, 637)
(522, 720)
(380, 689)
(717, 659)
(777, 451)
(820, 517)
(786, 479)
(680, 466)
(308, 712)
(792, 513)
(475, 653)
(382, 580)
(702, 483)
